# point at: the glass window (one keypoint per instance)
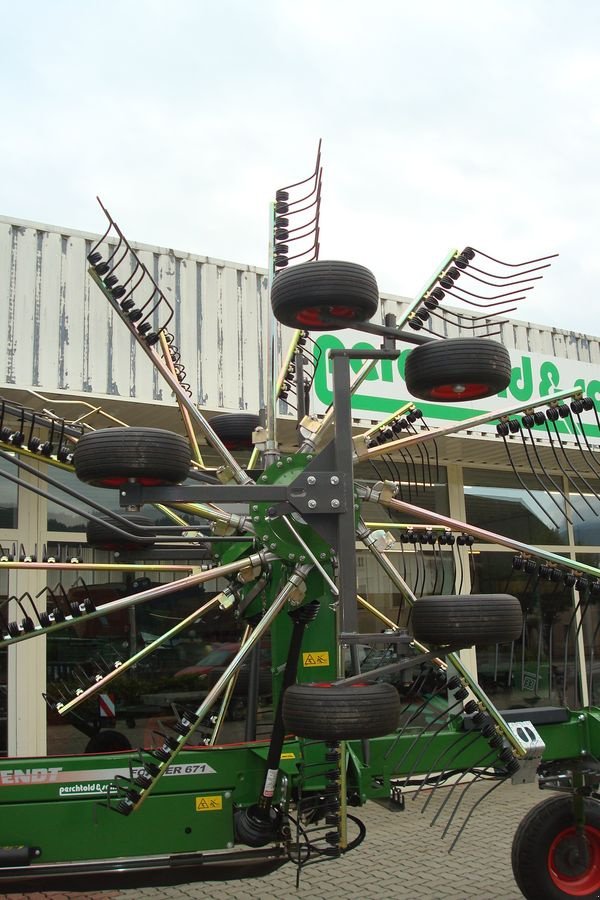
(138, 707)
(539, 668)
(590, 627)
(8, 496)
(586, 521)
(521, 509)
(3, 673)
(60, 519)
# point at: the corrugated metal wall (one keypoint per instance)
(61, 335)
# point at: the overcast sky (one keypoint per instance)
(443, 124)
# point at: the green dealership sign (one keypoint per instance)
(384, 390)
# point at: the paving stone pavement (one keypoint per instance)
(403, 856)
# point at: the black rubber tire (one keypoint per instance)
(542, 873)
(111, 456)
(305, 294)
(467, 619)
(341, 712)
(102, 535)
(107, 742)
(235, 430)
(457, 370)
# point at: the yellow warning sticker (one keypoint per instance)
(208, 804)
(288, 756)
(316, 658)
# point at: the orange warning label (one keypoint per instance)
(316, 658)
(209, 804)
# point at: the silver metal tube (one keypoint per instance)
(137, 657)
(489, 537)
(482, 419)
(159, 591)
(293, 583)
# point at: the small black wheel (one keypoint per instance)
(235, 430)
(305, 295)
(111, 456)
(457, 370)
(107, 742)
(467, 619)
(102, 535)
(549, 860)
(341, 712)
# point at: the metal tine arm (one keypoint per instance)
(483, 759)
(463, 735)
(313, 246)
(527, 262)
(575, 471)
(508, 284)
(484, 297)
(511, 274)
(498, 784)
(316, 203)
(300, 227)
(478, 777)
(315, 190)
(590, 464)
(538, 478)
(312, 175)
(487, 305)
(519, 478)
(106, 233)
(445, 315)
(425, 730)
(251, 562)
(295, 580)
(223, 600)
(476, 532)
(471, 423)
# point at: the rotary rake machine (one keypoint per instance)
(419, 718)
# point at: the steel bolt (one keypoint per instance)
(312, 504)
(311, 479)
(334, 479)
(335, 504)
(273, 546)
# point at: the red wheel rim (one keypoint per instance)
(118, 481)
(457, 391)
(312, 315)
(566, 872)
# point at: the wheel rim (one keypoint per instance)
(313, 315)
(458, 391)
(571, 875)
(118, 481)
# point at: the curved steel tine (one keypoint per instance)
(508, 284)
(109, 259)
(527, 262)
(316, 189)
(483, 297)
(459, 315)
(304, 252)
(511, 274)
(472, 810)
(288, 187)
(316, 201)
(487, 305)
(300, 227)
(463, 325)
(110, 225)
